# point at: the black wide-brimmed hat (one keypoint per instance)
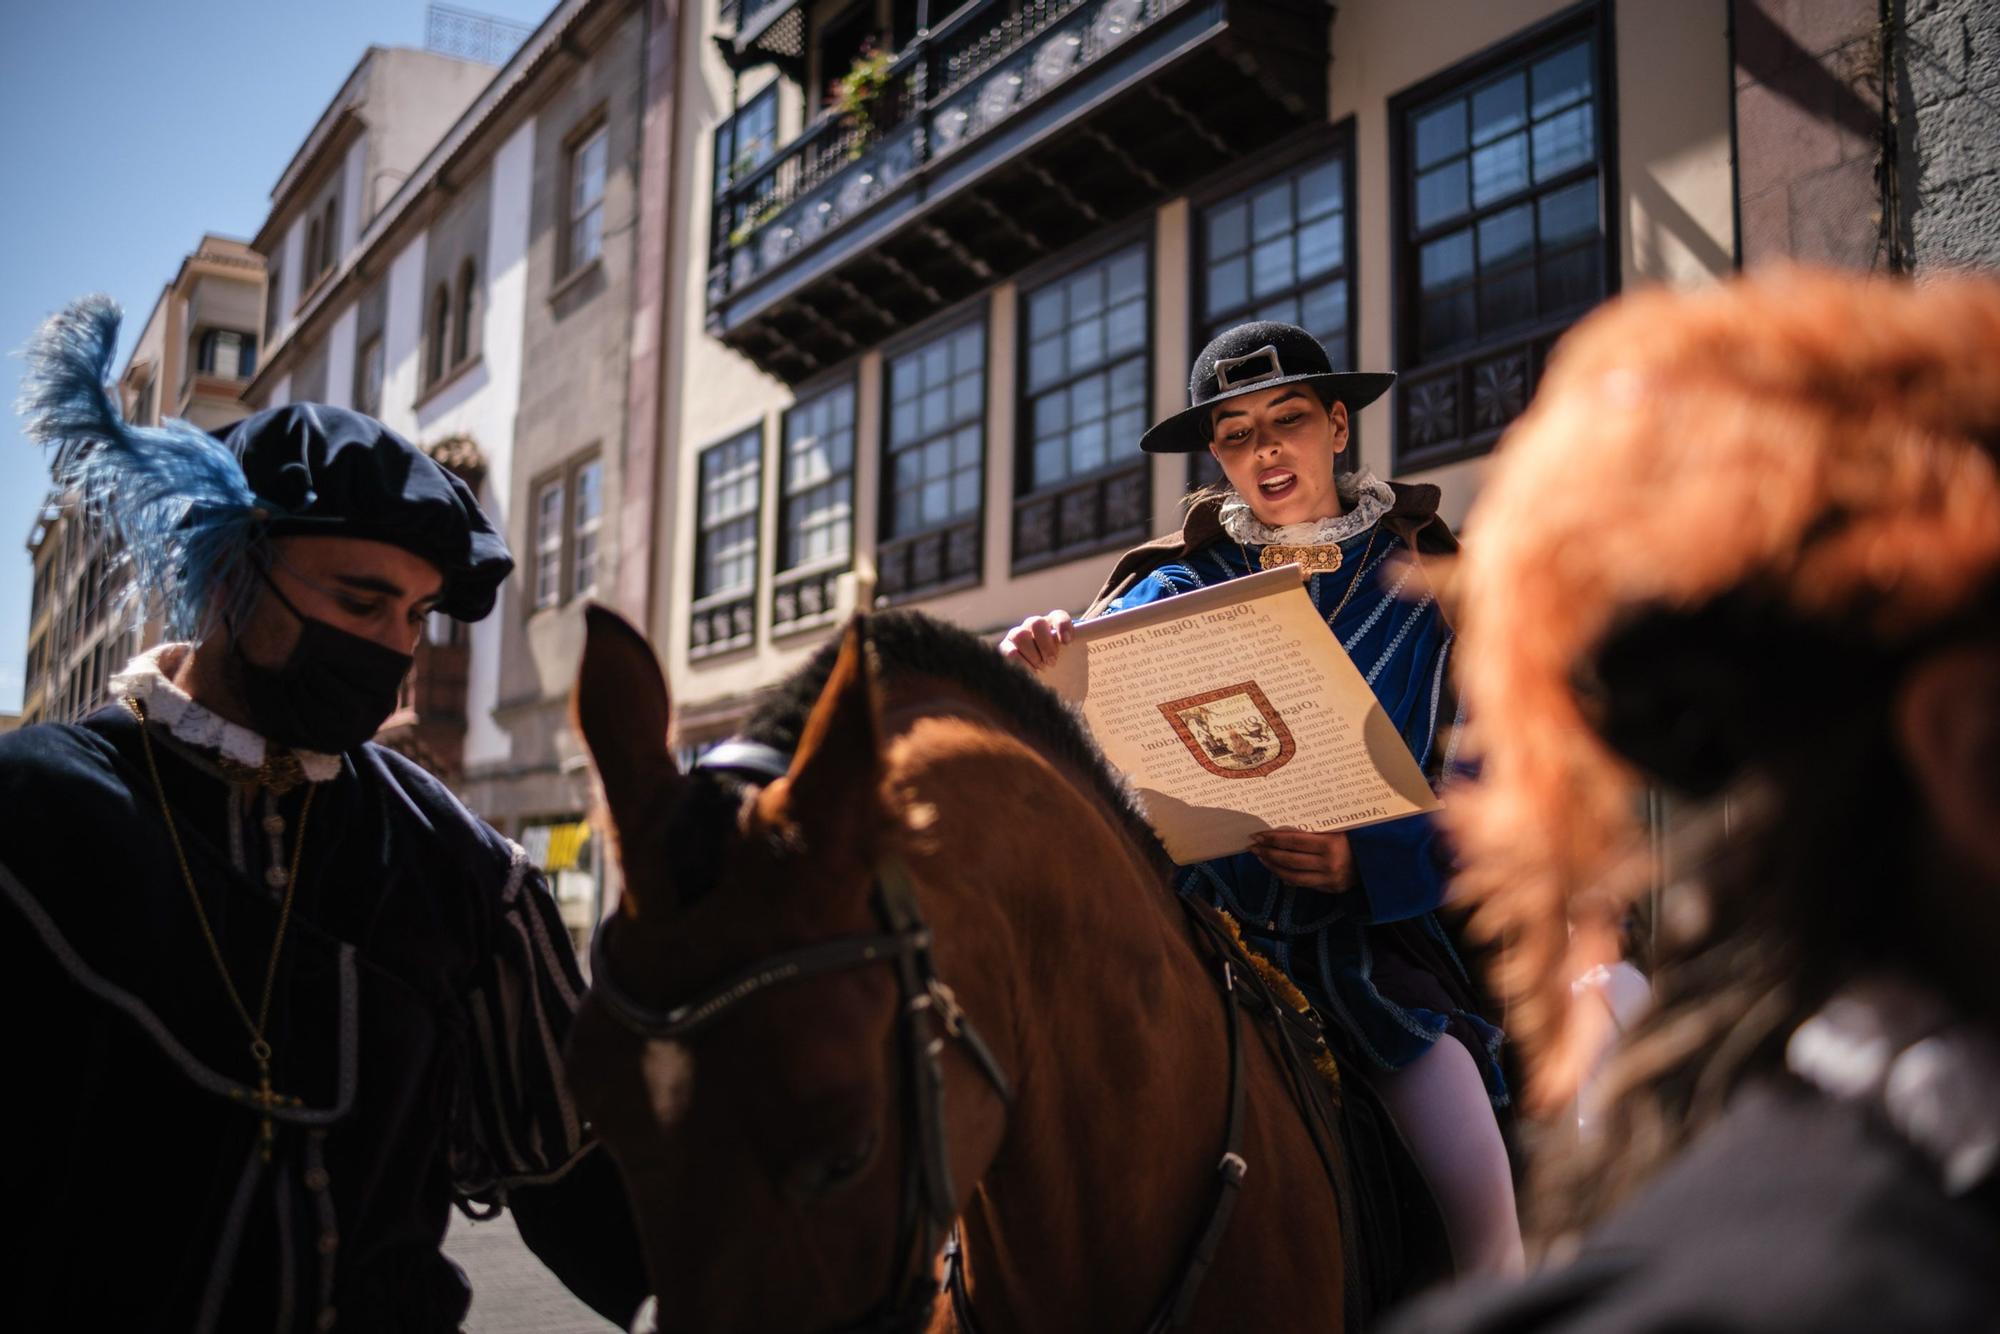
(1255, 357)
(329, 472)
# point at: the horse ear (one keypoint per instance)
(622, 712)
(836, 771)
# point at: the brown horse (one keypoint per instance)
(773, 1058)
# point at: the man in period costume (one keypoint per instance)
(278, 1000)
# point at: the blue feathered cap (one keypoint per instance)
(191, 511)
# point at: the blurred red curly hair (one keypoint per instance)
(1680, 445)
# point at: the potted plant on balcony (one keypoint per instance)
(858, 92)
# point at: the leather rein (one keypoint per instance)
(929, 1018)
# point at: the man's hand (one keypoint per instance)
(1036, 641)
(1307, 860)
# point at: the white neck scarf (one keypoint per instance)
(148, 678)
(1366, 497)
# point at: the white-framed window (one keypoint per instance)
(370, 369)
(587, 164)
(731, 487)
(586, 520)
(548, 543)
(438, 336)
(467, 311)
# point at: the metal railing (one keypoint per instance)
(977, 69)
(469, 35)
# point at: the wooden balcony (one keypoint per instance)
(1004, 135)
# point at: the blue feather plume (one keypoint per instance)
(173, 496)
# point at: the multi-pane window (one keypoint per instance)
(587, 163)
(1503, 201)
(370, 368)
(937, 410)
(548, 543)
(1278, 251)
(568, 522)
(746, 140)
(1503, 237)
(586, 519)
(1086, 381)
(228, 353)
(818, 478)
(731, 480)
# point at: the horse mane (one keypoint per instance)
(910, 643)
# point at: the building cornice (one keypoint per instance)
(414, 203)
(316, 140)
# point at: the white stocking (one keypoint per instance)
(1439, 1103)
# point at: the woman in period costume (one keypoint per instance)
(277, 1000)
(1745, 548)
(1350, 917)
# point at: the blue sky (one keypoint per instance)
(127, 130)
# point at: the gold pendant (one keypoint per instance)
(1323, 559)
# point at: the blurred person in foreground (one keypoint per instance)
(1745, 547)
(276, 1001)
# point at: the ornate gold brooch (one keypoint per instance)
(1323, 559)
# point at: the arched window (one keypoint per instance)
(330, 235)
(468, 304)
(312, 252)
(434, 363)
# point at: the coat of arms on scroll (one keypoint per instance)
(1233, 732)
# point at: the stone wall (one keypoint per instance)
(1809, 131)
(1947, 65)
(1868, 132)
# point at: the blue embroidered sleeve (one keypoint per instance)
(1164, 582)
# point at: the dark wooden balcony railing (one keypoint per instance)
(1008, 131)
(834, 170)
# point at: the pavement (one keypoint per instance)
(511, 1292)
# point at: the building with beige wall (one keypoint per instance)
(909, 358)
(484, 309)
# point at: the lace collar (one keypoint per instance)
(1898, 1047)
(148, 678)
(1366, 497)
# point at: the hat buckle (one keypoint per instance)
(1269, 368)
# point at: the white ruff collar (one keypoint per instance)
(148, 679)
(1366, 497)
(1891, 1044)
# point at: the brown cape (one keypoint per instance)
(1413, 517)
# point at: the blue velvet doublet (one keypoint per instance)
(1330, 944)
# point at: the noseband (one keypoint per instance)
(929, 1017)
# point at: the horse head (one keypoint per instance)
(765, 1045)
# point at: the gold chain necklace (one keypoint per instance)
(1360, 568)
(265, 1099)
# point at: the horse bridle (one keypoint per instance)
(929, 1017)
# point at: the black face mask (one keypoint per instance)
(333, 691)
